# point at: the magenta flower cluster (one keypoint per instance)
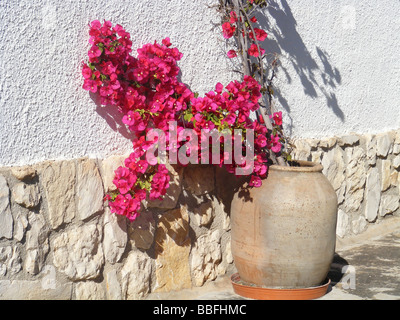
(146, 90)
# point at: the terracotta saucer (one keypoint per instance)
(260, 293)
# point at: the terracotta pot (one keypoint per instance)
(284, 233)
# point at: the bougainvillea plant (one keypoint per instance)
(148, 93)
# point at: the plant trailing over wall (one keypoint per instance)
(168, 118)
(239, 22)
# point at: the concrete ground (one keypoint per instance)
(365, 267)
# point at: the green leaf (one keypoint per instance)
(188, 117)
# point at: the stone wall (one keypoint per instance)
(364, 171)
(58, 240)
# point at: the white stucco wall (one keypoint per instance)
(340, 68)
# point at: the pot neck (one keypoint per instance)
(304, 166)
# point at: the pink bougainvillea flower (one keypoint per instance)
(95, 24)
(277, 117)
(90, 85)
(276, 146)
(261, 35)
(86, 71)
(228, 30)
(231, 54)
(94, 52)
(125, 205)
(253, 51)
(255, 181)
(124, 179)
(253, 19)
(166, 42)
(233, 17)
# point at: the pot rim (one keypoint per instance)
(305, 166)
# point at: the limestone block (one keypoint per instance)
(58, 179)
(384, 144)
(27, 196)
(142, 230)
(199, 179)
(10, 260)
(328, 143)
(20, 225)
(115, 236)
(172, 249)
(302, 150)
(37, 243)
(6, 219)
(89, 189)
(355, 178)
(372, 194)
(89, 290)
(78, 252)
(108, 167)
(343, 224)
(370, 144)
(204, 214)
(33, 290)
(113, 287)
(206, 256)
(24, 172)
(359, 225)
(389, 204)
(396, 162)
(386, 174)
(396, 146)
(334, 169)
(136, 275)
(349, 140)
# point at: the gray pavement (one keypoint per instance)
(365, 267)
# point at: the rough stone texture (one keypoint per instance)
(206, 257)
(204, 214)
(26, 195)
(349, 140)
(199, 179)
(33, 290)
(389, 204)
(58, 179)
(334, 169)
(20, 225)
(115, 236)
(135, 275)
(386, 175)
(113, 287)
(99, 255)
(355, 178)
(108, 167)
(89, 290)
(372, 194)
(6, 219)
(384, 144)
(342, 227)
(142, 231)
(78, 252)
(371, 149)
(37, 243)
(23, 173)
(10, 261)
(89, 189)
(172, 249)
